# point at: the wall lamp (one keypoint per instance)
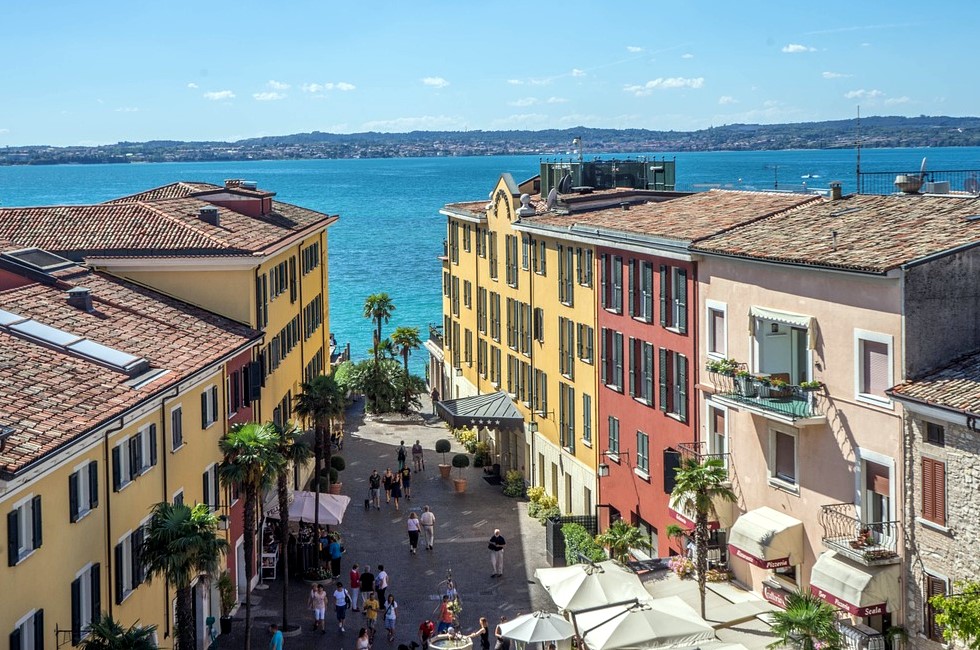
(604, 467)
(459, 372)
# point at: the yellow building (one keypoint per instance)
(519, 316)
(113, 400)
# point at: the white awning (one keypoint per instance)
(857, 589)
(808, 323)
(767, 538)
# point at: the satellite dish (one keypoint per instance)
(552, 198)
(565, 184)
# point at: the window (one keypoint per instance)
(495, 316)
(454, 242)
(643, 452)
(525, 253)
(935, 586)
(782, 457)
(566, 270)
(129, 564)
(312, 316)
(718, 433)
(83, 490)
(262, 301)
(673, 384)
(28, 633)
(511, 324)
(468, 346)
(874, 367)
(717, 332)
(616, 297)
(209, 406)
(541, 260)
(134, 456)
(540, 392)
(86, 601)
(481, 310)
(566, 339)
(935, 434)
(467, 294)
(566, 416)
(587, 419)
(510, 259)
(495, 369)
(493, 255)
(279, 277)
(467, 232)
(315, 367)
(585, 343)
(673, 298)
(612, 359)
(176, 428)
(481, 242)
(446, 284)
(539, 324)
(310, 257)
(23, 529)
(613, 435)
(641, 370)
(934, 491)
(481, 357)
(456, 345)
(212, 488)
(584, 270)
(641, 290)
(454, 297)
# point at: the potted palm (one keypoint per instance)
(460, 461)
(444, 447)
(229, 598)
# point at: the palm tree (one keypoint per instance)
(250, 462)
(294, 452)
(378, 307)
(107, 634)
(181, 543)
(620, 538)
(406, 339)
(321, 401)
(807, 623)
(697, 487)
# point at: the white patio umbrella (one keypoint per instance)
(661, 623)
(303, 505)
(586, 585)
(537, 626)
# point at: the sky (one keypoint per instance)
(104, 71)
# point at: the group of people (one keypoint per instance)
(367, 593)
(396, 484)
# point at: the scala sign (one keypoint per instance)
(870, 610)
(778, 563)
(774, 595)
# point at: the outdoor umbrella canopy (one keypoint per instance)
(661, 623)
(587, 585)
(303, 508)
(537, 626)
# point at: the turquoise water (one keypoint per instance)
(390, 231)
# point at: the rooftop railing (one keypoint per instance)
(964, 182)
(870, 543)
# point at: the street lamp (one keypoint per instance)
(604, 467)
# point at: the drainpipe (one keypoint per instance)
(166, 497)
(107, 461)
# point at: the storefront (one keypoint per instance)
(870, 594)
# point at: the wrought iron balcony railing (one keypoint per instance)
(788, 402)
(699, 452)
(435, 334)
(870, 543)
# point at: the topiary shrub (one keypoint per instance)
(579, 540)
(338, 463)
(460, 461)
(443, 447)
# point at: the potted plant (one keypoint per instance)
(811, 386)
(779, 388)
(229, 598)
(444, 447)
(460, 461)
(762, 383)
(317, 575)
(745, 383)
(337, 465)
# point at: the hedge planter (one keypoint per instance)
(444, 470)
(459, 484)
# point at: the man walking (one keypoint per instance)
(496, 547)
(417, 456)
(381, 583)
(367, 583)
(435, 398)
(428, 521)
(374, 483)
(402, 456)
(275, 643)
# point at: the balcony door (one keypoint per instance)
(782, 350)
(876, 511)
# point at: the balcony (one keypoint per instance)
(435, 335)
(445, 251)
(869, 543)
(788, 403)
(699, 452)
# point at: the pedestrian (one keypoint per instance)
(335, 550)
(275, 643)
(445, 616)
(428, 521)
(426, 628)
(402, 456)
(341, 601)
(363, 640)
(367, 582)
(483, 633)
(318, 603)
(413, 532)
(391, 615)
(371, 607)
(396, 489)
(417, 456)
(501, 643)
(374, 483)
(451, 592)
(386, 481)
(407, 483)
(381, 583)
(355, 587)
(435, 398)
(496, 547)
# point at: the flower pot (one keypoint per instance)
(444, 470)
(746, 386)
(225, 624)
(335, 488)
(780, 392)
(459, 484)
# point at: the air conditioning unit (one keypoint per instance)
(936, 187)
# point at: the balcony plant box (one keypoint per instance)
(745, 384)
(779, 389)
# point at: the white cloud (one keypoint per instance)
(687, 55)
(268, 97)
(796, 48)
(218, 95)
(557, 100)
(724, 100)
(278, 85)
(664, 83)
(192, 85)
(526, 101)
(435, 82)
(343, 86)
(515, 82)
(863, 94)
(835, 75)
(892, 101)
(324, 87)
(2, 131)
(421, 123)
(127, 109)
(634, 49)
(578, 73)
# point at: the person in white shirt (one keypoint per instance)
(428, 521)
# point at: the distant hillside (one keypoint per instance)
(874, 132)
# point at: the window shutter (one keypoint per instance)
(73, 497)
(934, 587)
(663, 380)
(207, 488)
(604, 349)
(204, 410)
(132, 445)
(39, 630)
(120, 574)
(15, 641)
(292, 279)
(152, 432)
(13, 537)
(632, 371)
(604, 279)
(93, 484)
(116, 469)
(136, 555)
(36, 526)
(681, 407)
(648, 377)
(875, 360)
(632, 288)
(681, 300)
(95, 580)
(216, 489)
(663, 295)
(76, 611)
(672, 460)
(928, 486)
(939, 490)
(214, 403)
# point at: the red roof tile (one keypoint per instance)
(955, 386)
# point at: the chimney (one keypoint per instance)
(625, 206)
(835, 191)
(81, 298)
(209, 214)
(232, 183)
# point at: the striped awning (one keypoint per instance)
(858, 590)
(767, 538)
(808, 323)
(491, 411)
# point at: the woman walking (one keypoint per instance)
(502, 643)
(414, 526)
(396, 489)
(318, 603)
(363, 640)
(483, 633)
(386, 480)
(340, 598)
(391, 614)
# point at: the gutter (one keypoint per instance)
(942, 407)
(940, 255)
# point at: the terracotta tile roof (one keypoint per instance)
(873, 233)
(178, 190)
(476, 208)
(955, 386)
(164, 222)
(51, 397)
(685, 218)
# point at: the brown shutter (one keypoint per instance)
(928, 500)
(939, 488)
(875, 360)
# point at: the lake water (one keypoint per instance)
(390, 231)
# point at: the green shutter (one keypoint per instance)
(663, 295)
(681, 407)
(681, 300)
(93, 484)
(663, 380)
(13, 537)
(95, 578)
(73, 497)
(36, 526)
